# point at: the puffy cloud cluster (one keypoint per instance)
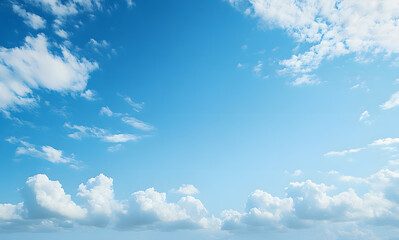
(33, 66)
(332, 27)
(47, 207)
(307, 204)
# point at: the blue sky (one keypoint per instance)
(239, 119)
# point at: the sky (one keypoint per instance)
(211, 119)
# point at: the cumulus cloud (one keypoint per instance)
(34, 66)
(332, 27)
(46, 203)
(47, 153)
(83, 131)
(45, 199)
(32, 20)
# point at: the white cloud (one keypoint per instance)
(120, 138)
(128, 120)
(10, 211)
(47, 153)
(89, 95)
(392, 102)
(65, 8)
(137, 123)
(344, 152)
(258, 68)
(186, 189)
(385, 142)
(30, 19)
(136, 106)
(33, 66)
(61, 33)
(114, 148)
(46, 198)
(297, 173)
(332, 27)
(364, 115)
(106, 111)
(83, 131)
(130, 3)
(306, 80)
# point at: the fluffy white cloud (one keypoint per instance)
(10, 211)
(30, 19)
(34, 66)
(149, 208)
(392, 102)
(186, 189)
(332, 27)
(385, 142)
(46, 198)
(44, 152)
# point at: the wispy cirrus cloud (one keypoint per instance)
(102, 134)
(47, 153)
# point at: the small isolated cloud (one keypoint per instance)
(186, 189)
(114, 148)
(47, 153)
(244, 47)
(297, 173)
(365, 115)
(239, 65)
(344, 152)
(89, 95)
(392, 102)
(106, 111)
(32, 20)
(306, 80)
(258, 68)
(130, 3)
